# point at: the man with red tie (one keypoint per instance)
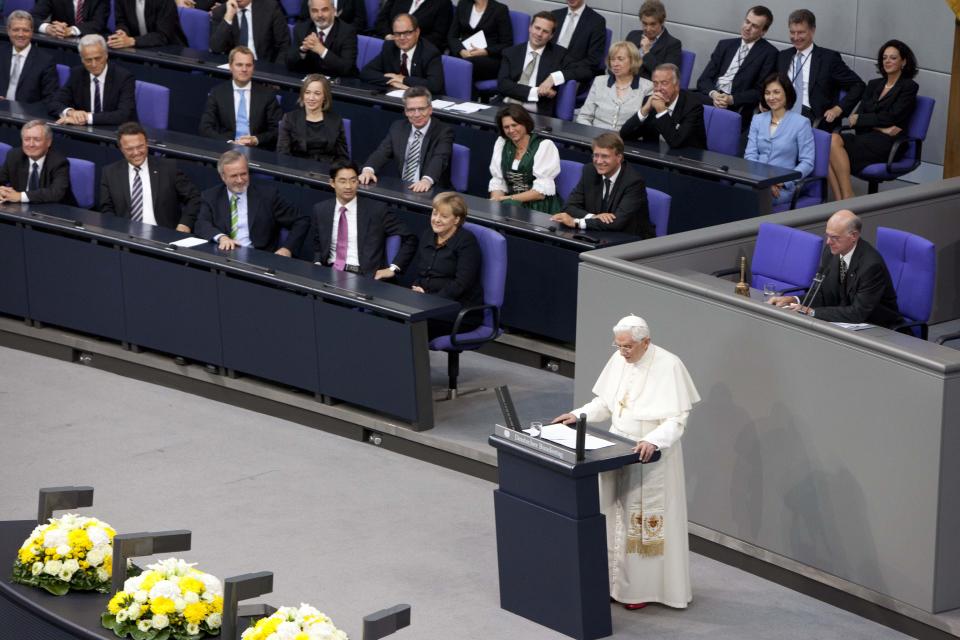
(406, 60)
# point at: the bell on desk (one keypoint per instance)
(743, 289)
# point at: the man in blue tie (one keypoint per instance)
(34, 172)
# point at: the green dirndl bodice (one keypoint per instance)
(521, 179)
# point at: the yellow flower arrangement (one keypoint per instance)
(299, 623)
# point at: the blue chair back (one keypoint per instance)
(785, 257)
(460, 168)
(910, 159)
(373, 8)
(12, 5)
(4, 148)
(457, 77)
(82, 177)
(570, 173)
(566, 100)
(347, 133)
(367, 49)
(919, 125)
(659, 204)
(153, 104)
(493, 268)
(520, 23)
(912, 262)
(687, 58)
(291, 8)
(723, 130)
(196, 26)
(391, 247)
(111, 19)
(63, 74)
(814, 190)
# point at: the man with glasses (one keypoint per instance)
(647, 394)
(670, 114)
(856, 283)
(420, 146)
(406, 60)
(433, 16)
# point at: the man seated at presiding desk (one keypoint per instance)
(71, 18)
(406, 60)
(323, 44)
(27, 73)
(676, 118)
(146, 23)
(97, 92)
(421, 146)
(241, 213)
(856, 283)
(35, 172)
(610, 196)
(350, 233)
(259, 25)
(654, 42)
(147, 189)
(240, 112)
(731, 80)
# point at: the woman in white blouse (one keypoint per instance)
(619, 94)
(524, 165)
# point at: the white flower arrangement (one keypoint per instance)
(69, 552)
(293, 623)
(169, 601)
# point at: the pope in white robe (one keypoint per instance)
(647, 394)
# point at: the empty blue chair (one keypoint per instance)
(812, 189)
(723, 130)
(367, 49)
(493, 276)
(659, 204)
(460, 168)
(911, 147)
(153, 104)
(520, 22)
(4, 148)
(912, 263)
(63, 74)
(348, 135)
(458, 77)
(566, 100)
(783, 256)
(570, 174)
(196, 26)
(687, 58)
(82, 178)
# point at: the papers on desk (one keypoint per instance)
(476, 41)
(442, 104)
(225, 65)
(468, 107)
(567, 436)
(186, 243)
(853, 326)
(396, 93)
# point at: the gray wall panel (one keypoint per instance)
(926, 26)
(948, 544)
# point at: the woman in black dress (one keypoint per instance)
(881, 118)
(493, 19)
(313, 130)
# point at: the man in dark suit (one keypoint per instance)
(407, 60)
(433, 16)
(610, 196)
(240, 213)
(350, 233)
(669, 114)
(96, 93)
(654, 42)
(259, 25)
(353, 12)
(421, 146)
(147, 189)
(59, 18)
(818, 75)
(856, 283)
(239, 111)
(158, 26)
(737, 67)
(583, 33)
(27, 73)
(323, 44)
(34, 172)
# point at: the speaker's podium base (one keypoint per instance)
(551, 536)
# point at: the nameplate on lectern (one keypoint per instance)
(535, 444)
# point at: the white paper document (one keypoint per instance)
(853, 326)
(189, 242)
(567, 436)
(225, 65)
(476, 41)
(442, 104)
(469, 107)
(396, 93)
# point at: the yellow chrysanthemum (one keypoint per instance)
(108, 563)
(151, 578)
(117, 602)
(191, 584)
(26, 555)
(162, 605)
(196, 612)
(217, 605)
(78, 539)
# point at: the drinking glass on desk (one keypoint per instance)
(769, 290)
(539, 427)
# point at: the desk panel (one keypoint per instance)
(13, 284)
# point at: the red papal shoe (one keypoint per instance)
(633, 606)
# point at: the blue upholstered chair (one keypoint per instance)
(63, 74)
(874, 174)
(82, 181)
(912, 263)
(391, 247)
(812, 189)
(292, 9)
(687, 58)
(12, 5)
(367, 49)
(566, 100)
(723, 130)
(153, 104)
(783, 256)
(460, 168)
(659, 204)
(520, 22)
(196, 26)
(348, 134)
(458, 77)
(373, 8)
(493, 276)
(570, 173)
(4, 148)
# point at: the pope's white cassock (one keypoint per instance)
(646, 505)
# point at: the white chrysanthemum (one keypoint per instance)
(97, 535)
(214, 620)
(210, 583)
(52, 567)
(102, 574)
(140, 596)
(144, 625)
(160, 621)
(63, 549)
(180, 604)
(207, 596)
(321, 630)
(55, 538)
(95, 557)
(134, 610)
(132, 585)
(165, 589)
(287, 630)
(72, 565)
(191, 597)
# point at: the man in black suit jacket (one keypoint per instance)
(610, 196)
(160, 27)
(738, 66)
(34, 172)
(165, 196)
(36, 80)
(241, 213)
(583, 33)
(259, 25)
(219, 119)
(677, 115)
(368, 224)
(654, 42)
(425, 163)
(353, 12)
(96, 93)
(818, 74)
(58, 18)
(407, 60)
(324, 43)
(433, 16)
(860, 289)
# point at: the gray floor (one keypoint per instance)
(347, 527)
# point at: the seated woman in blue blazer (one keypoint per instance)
(779, 136)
